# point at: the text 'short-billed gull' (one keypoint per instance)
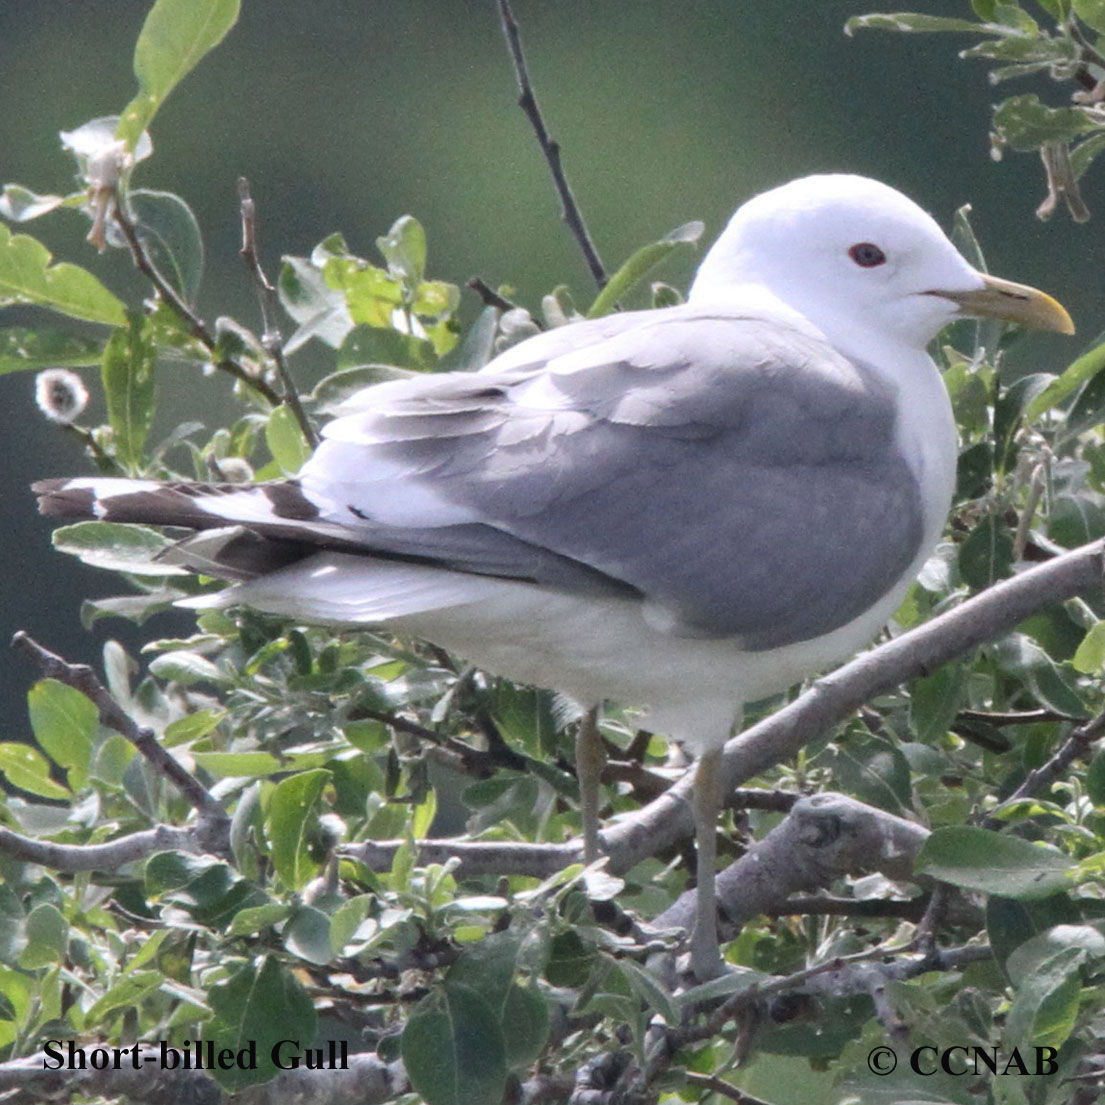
(683, 509)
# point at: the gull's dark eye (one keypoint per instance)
(867, 255)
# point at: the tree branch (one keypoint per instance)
(490, 297)
(271, 340)
(1076, 746)
(366, 1081)
(195, 325)
(823, 838)
(781, 735)
(110, 856)
(82, 677)
(528, 103)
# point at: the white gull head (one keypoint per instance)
(858, 259)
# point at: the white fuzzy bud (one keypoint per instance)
(60, 395)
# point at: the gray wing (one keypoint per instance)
(736, 473)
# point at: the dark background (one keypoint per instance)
(345, 114)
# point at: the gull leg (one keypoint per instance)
(705, 958)
(590, 760)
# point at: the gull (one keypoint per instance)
(684, 509)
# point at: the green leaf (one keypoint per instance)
(284, 437)
(130, 389)
(307, 935)
(22, 349)
(987, 553)
(173, 40)
(1020, 656)
(117, 546)
(23, 767)
(291, 822)
(935, 700)
(347, 918)
(371, 293)
(229, 765)
(974, 472)
(1091, 12)
(640, 263)
(994, 863)
(211, 891)
(125, 994)
(27, 276)
(192, 727)
(47, 936)
(136, 608)
(255, 1009)
(404, 249)
(1025, 50)
(1082, 155)
(1045, 1006)
(378, 345)
(319, 309)
(489, 968)
(249, 922)
(525, 1024)
(1009, 923)
(169, 231)
(20, 205)
(570, 960)
(453, 1049)
(64, 722)
(1089, 659)
(873, 769)
(1025, 124)
(186, 668)
(1095, 779)
(643, 983)
(911, 22)
(1074, 376)
(334, 390)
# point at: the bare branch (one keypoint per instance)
(550, 148)
(82, 677)
(477, 857)
(823, 838)
(715, 1085)
(99, 857)
(271, 340)
(780, 736)
(195, 325)
(1076, 746)
(490, 297)
(366, 1081)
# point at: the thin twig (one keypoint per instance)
(718, 1086)
(112, 715)
(1076, 746)
(550, 148)
(195, 325)
(490, 297)
(271, 339)
(909, 909)
(107, 464)
(1001, 718)
(924, 936)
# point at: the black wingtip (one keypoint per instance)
(56, 498)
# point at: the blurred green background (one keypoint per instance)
(345, 114)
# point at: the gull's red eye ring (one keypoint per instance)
(867, 255)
